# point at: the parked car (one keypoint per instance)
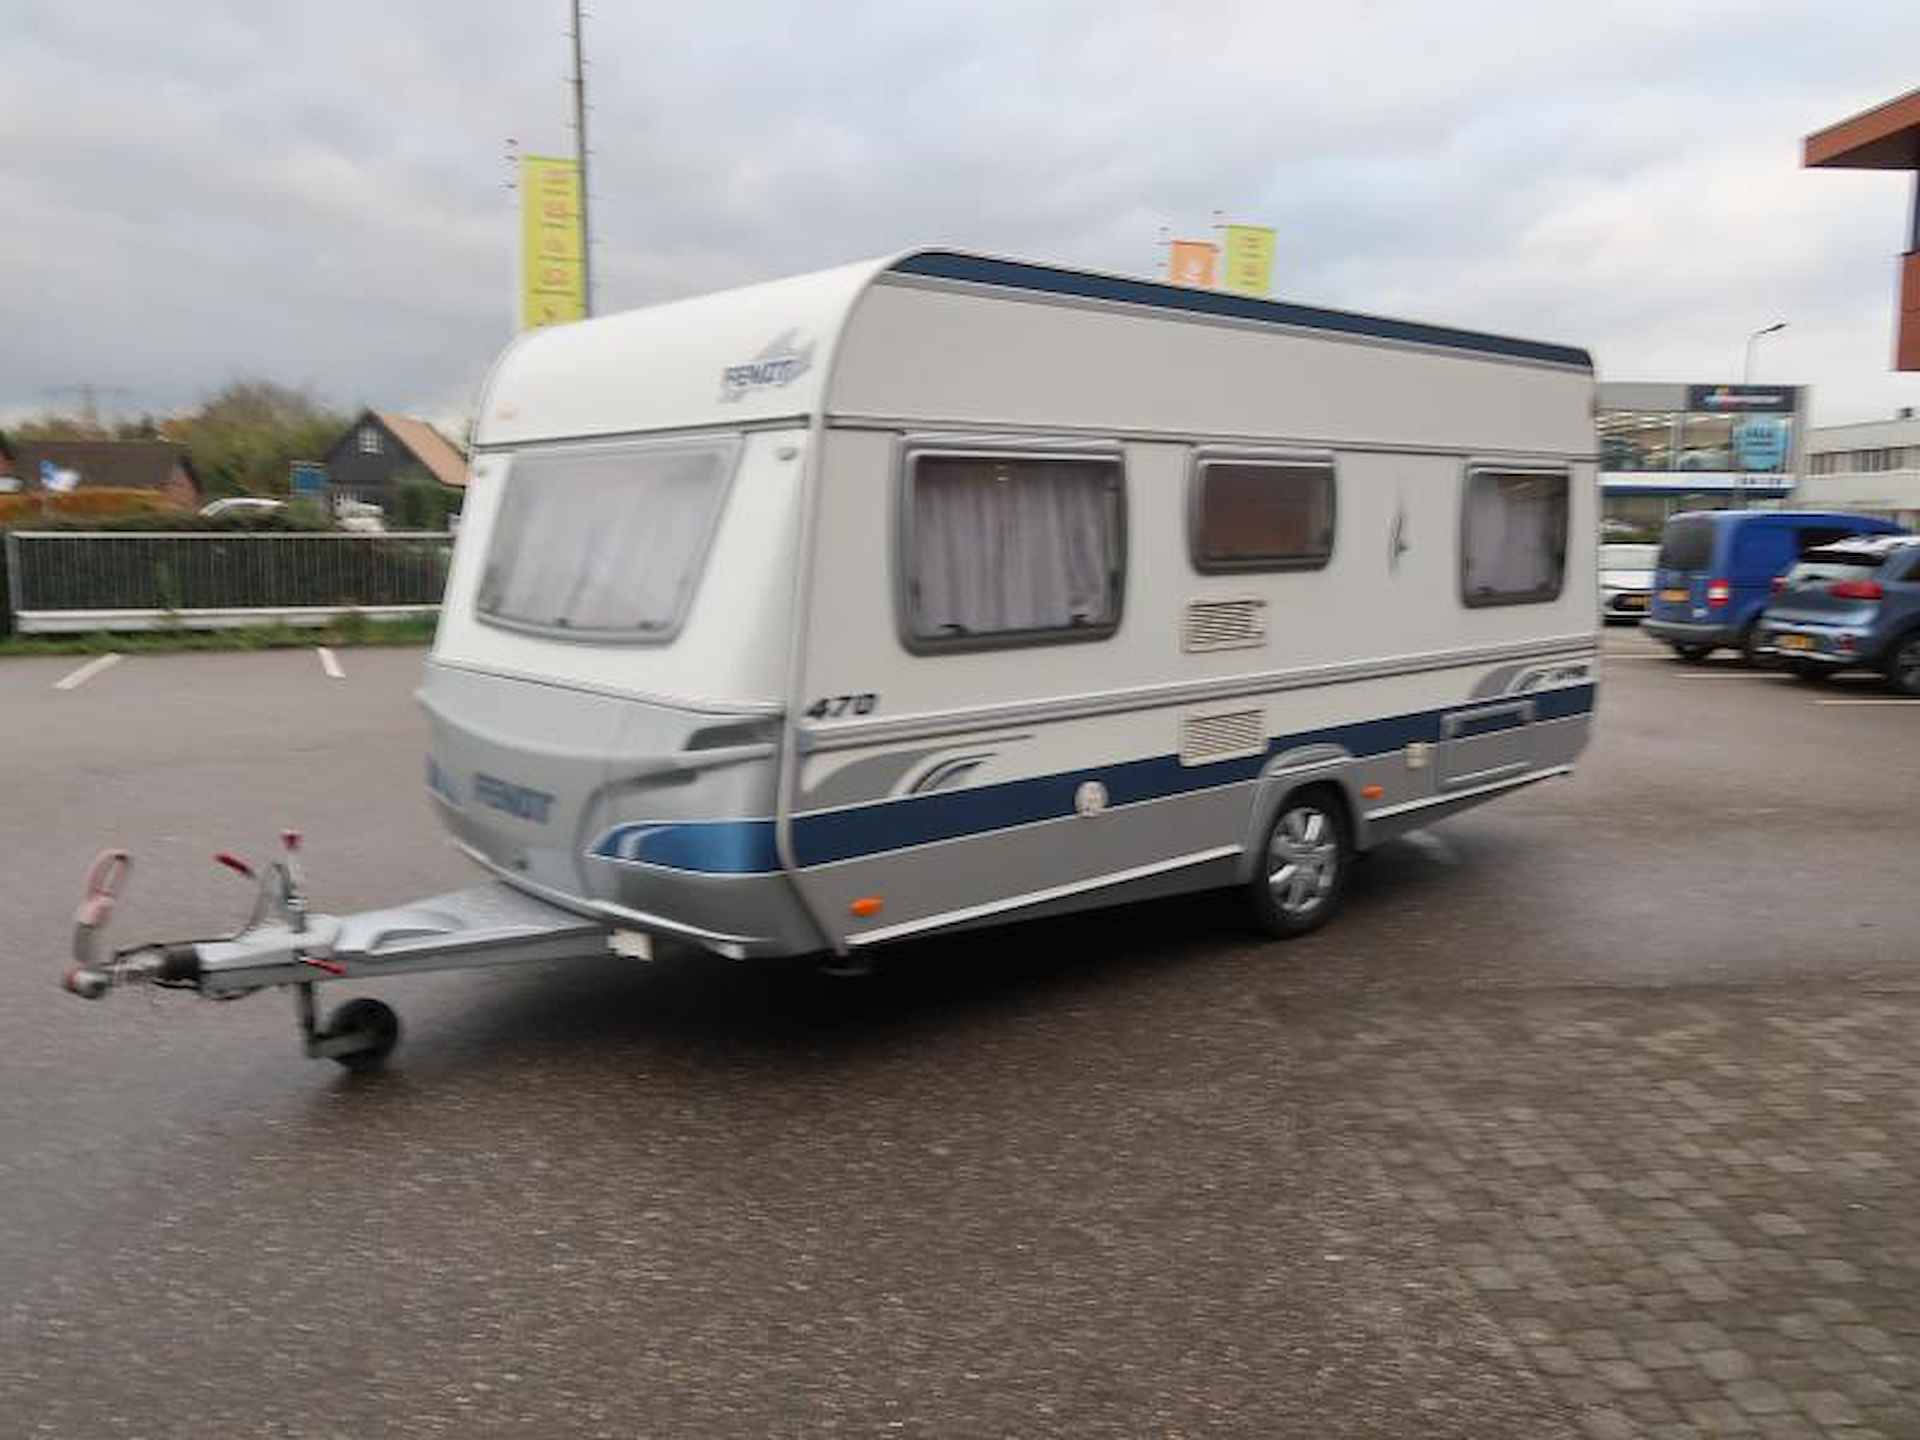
(1716, 568)
(360, 515)
(236, 507)
(1852, 604)
(1626, 581)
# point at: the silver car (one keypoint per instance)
(1626, 581)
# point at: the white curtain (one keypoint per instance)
(1005, 545)
(1515, 534)
(603, 540)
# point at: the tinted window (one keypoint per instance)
(1819, 567)
(1012, 548)
(604, 542)
(1251, 514)
(1812, 537)
(1513, 536)
(1687, 544)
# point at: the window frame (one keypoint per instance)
(732, 444)
(371, 441)
(911, 449)
(1521, 467)
(1205, 455)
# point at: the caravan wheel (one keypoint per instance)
(1302, 875)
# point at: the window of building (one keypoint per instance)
(370, 443)
(1009, 548)
(1637, 440)
(1513, 535)
(1261, 513)
(607, 542)
(1706, 443)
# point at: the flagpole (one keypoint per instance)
(580, 159)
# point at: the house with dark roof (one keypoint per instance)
(370, 459)
(156, 465)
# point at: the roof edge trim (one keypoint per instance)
(1120, 289)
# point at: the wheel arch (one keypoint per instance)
(1286, 775)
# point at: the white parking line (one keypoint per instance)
(87, 671)
(1884, 701)
(329, 664)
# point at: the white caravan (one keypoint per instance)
(946, 590)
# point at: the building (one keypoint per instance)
(156, 465)
(1671, 447)
(1886, 137)
(1872, 468)
(371, 460)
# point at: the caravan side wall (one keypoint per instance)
(964, 784)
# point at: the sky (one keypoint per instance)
(199, 192)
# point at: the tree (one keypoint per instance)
(420, 502)
(242, 439)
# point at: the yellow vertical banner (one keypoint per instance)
(1249, 259)
(1192, 262)
(552, 275)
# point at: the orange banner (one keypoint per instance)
(1193, 262)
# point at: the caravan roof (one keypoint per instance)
(790, 349)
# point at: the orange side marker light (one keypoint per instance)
(1372, 792)
(867, 905)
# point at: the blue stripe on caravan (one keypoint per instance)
(746, 847)
(1015, 275)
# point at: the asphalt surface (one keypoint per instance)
(1592, 1115)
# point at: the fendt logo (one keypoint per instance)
(781, 363)
(516, 800)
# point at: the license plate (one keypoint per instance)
(1794, 642)
(1674, 597)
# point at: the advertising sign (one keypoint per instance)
(1193, 262)
(1249, 259)
(1760, 443)
(552, 272)
(1742, 399)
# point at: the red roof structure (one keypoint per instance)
(1886, 137)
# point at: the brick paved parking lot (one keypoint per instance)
(1593, 1115)
(1683, 1215)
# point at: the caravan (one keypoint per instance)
(949, 590)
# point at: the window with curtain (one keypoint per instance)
(1252, 514)
(1012, 548)
(605, 542)
(1513, 539)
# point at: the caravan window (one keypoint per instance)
(1007, 549)
(1513, 536)
(605, 542)
(1261, 513)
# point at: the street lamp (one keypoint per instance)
(1746, 375)
(1746, 378)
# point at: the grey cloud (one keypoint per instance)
(316, 193)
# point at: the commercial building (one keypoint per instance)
(1872, 468)
(1671, 447)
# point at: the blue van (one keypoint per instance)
(1715, 572)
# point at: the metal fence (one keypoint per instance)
(72, 580)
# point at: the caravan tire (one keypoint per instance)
(1300, 874)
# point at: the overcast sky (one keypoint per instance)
(314, 193)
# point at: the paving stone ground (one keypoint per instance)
(1687, 1212)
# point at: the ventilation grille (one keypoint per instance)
(1207, 738)
(1226, 624)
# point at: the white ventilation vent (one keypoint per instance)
(1225, 625)
(1207, 738)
